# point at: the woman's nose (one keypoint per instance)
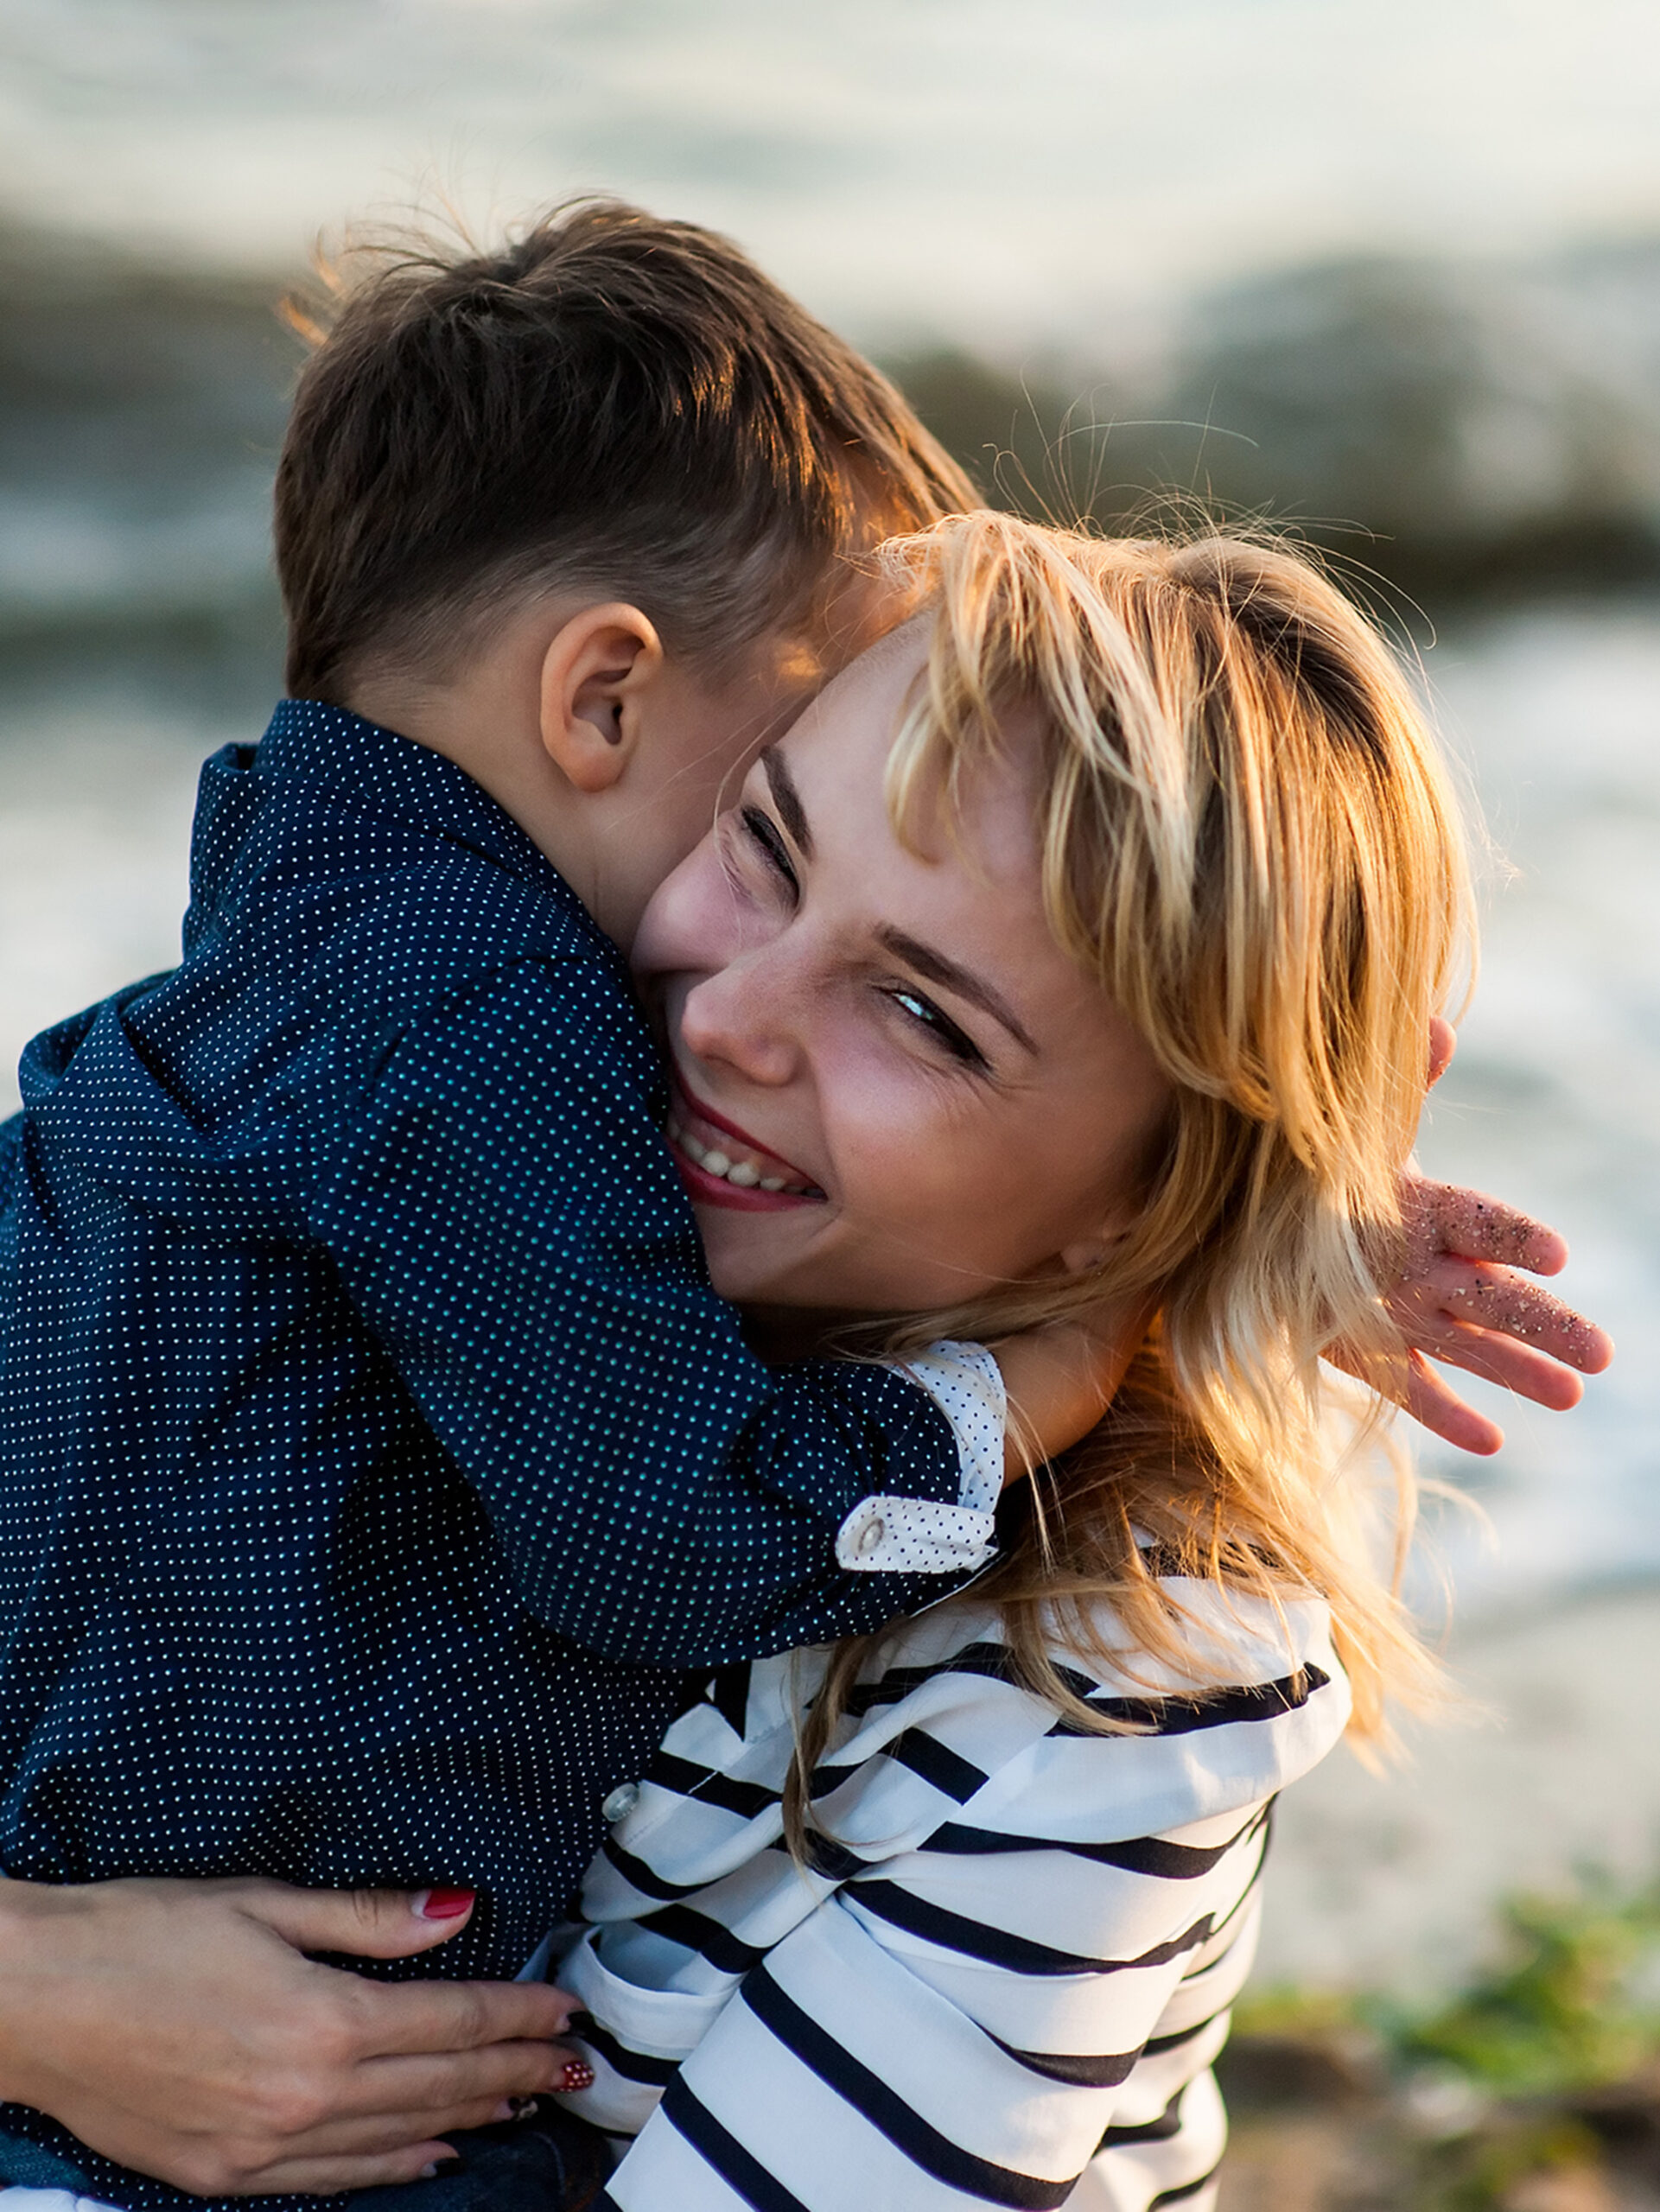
(747, 1017)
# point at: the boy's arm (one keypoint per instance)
(505, 1216)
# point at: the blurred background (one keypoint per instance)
(1388, 269)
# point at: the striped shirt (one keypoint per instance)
(1006, 1978)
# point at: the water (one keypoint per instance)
(1056, 189)
(95, 805)
(978, 168)
(1553, 1100)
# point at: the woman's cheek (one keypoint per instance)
(690, 924)
(910, 1179)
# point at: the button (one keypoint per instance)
(870, 1536)
(620, 1801)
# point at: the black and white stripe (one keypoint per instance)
(1006, 1977)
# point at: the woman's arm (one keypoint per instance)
(178, 2029)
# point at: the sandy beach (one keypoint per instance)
(1387, 1882)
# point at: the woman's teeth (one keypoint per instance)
(743, 1174)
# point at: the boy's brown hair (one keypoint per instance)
(611, 401)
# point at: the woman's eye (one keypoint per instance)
(927, 1015)
(764, 831)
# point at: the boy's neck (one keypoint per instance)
(484, 719)
(611, 754)
(489, 715)
(782, 1335)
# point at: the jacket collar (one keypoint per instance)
(377, 771)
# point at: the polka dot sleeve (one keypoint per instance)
(908, 1536)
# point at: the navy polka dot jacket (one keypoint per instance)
(374, 1456)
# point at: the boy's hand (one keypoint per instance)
(1061, 1380)
(1461, 1299)
(178, 2028)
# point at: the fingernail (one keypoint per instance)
(578, 2075)
(442, 1904)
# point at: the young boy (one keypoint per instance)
(374, 1457)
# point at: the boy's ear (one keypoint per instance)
(594, 674)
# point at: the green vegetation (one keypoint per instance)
(1534, 2086)
(1570, 2002)
(1573, 2005)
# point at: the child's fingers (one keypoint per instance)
(1455, 1293)
(1475, 1227)
(1436, 1405)
(1520, 1369)
(1490, 1321)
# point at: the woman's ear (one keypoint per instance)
(594, 675)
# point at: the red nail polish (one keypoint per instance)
(443, 1904)
(578, 2075)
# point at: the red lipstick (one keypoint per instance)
(721, 1165)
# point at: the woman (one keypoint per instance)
(1100, 991)
(1158, 889)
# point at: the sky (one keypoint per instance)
(963, 168)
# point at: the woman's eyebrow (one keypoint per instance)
(787, 800)
(939, 968)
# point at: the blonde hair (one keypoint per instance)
(1250, 842)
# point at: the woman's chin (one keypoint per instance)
(757, 1258)
(820, 1270)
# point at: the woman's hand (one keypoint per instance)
(1061, 1378)
(178, 2028)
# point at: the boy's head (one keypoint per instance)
(611, 409)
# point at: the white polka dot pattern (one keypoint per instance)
(905, 1535)
(373, 1452)
(966, 1383)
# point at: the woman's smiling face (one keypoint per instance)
(891, 1090)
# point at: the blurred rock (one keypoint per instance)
(1260, 2072)
(1439, 407)
(1029, 441)
(1569, 2189)
(1452, 429)
(1625, 2120)
(1306, 2164)
(1456, 428)
(141, 410)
